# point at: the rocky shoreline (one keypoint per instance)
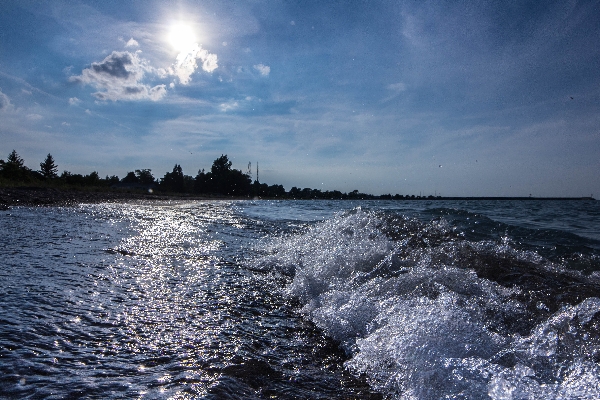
(39, 196)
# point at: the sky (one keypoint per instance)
(451, 98)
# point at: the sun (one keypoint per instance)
(181, 36)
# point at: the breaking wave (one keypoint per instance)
(429, 309)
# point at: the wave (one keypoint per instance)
(430, 309)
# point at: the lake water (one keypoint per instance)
(301, 300)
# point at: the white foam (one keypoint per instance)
(419, 325)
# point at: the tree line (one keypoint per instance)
(221, 179)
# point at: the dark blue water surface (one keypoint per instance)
(301, 300)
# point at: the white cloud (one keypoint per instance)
(264, 70)
(157, 92)
(73, 101)
(4, 101)
(34, 117)
(162, 73)
(118, 77)
(186, 65)
(132, 43)
(397, 87)
(229, 106)
(66, 124)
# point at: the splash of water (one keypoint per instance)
(424, 313)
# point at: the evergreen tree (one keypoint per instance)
(47, 168)
(14, 160)
(14, 168)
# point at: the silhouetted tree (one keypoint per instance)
(188, 184)
(14, 160)
(131, 177)
(112, 180)
(219, 174)
(47, 168)
(238, 184)
(144, 176)
(93, 179)
(306, 193)
(222, 179)
(173, 181)
(276, 191)
(14, 168)
(295, 193)
(201, 182)
(72, 179)
(221, 166)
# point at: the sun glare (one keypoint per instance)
(181, 37)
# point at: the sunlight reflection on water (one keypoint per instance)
(150, 300)
(172, 300)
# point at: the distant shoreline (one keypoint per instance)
(508, 198)
(40, 196)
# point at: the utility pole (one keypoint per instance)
(257, 172)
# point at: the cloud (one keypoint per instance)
(4, 101)
(73, 101)
(228, 106)
(186, 65)
(139, 92)
(132, 43)
(264, 70)
(395, 89)
(34, 117)
(118, 77)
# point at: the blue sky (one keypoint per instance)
(410, 97)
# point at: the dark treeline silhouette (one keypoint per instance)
(221, 180)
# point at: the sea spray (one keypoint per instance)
(243, 299)
(424, 313)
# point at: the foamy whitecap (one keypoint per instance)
(407, 301)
